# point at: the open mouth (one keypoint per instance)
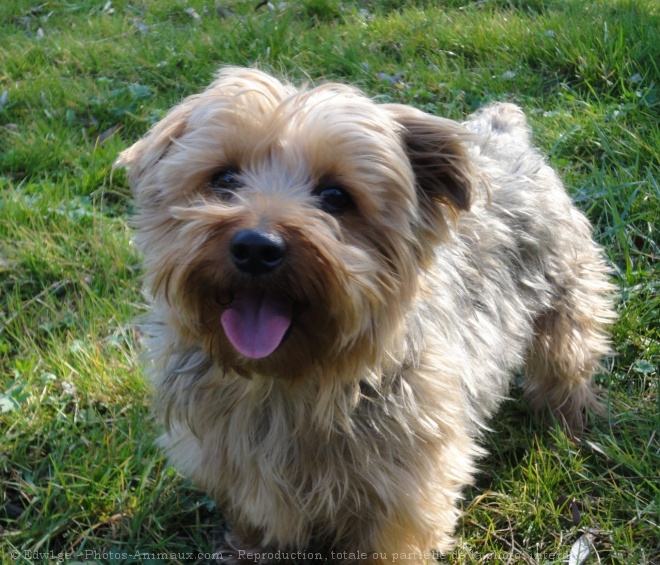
(257, 321)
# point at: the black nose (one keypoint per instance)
(256, 252)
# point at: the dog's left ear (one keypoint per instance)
(437, 150)
(145, 153)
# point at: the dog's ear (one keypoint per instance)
(437, 151)
(145, 153)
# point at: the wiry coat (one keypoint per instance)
(461, 260)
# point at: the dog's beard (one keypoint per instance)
(314, 312)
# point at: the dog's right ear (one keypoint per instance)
(143, 155)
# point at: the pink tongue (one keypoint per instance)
(256, 322)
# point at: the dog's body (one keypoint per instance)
(341, 292)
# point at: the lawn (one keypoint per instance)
(81, 478)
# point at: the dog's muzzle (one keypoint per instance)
(258, 318)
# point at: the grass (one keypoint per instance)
(81, 478)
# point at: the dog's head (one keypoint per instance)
(286, 229)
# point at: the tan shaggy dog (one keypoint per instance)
(340, 293)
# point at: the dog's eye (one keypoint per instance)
(334, 199)
(224, 182)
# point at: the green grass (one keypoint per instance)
(80, 474)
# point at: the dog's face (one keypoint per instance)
(285, 230)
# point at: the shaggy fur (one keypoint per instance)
(459, 260)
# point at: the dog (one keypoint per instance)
(340, 293)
